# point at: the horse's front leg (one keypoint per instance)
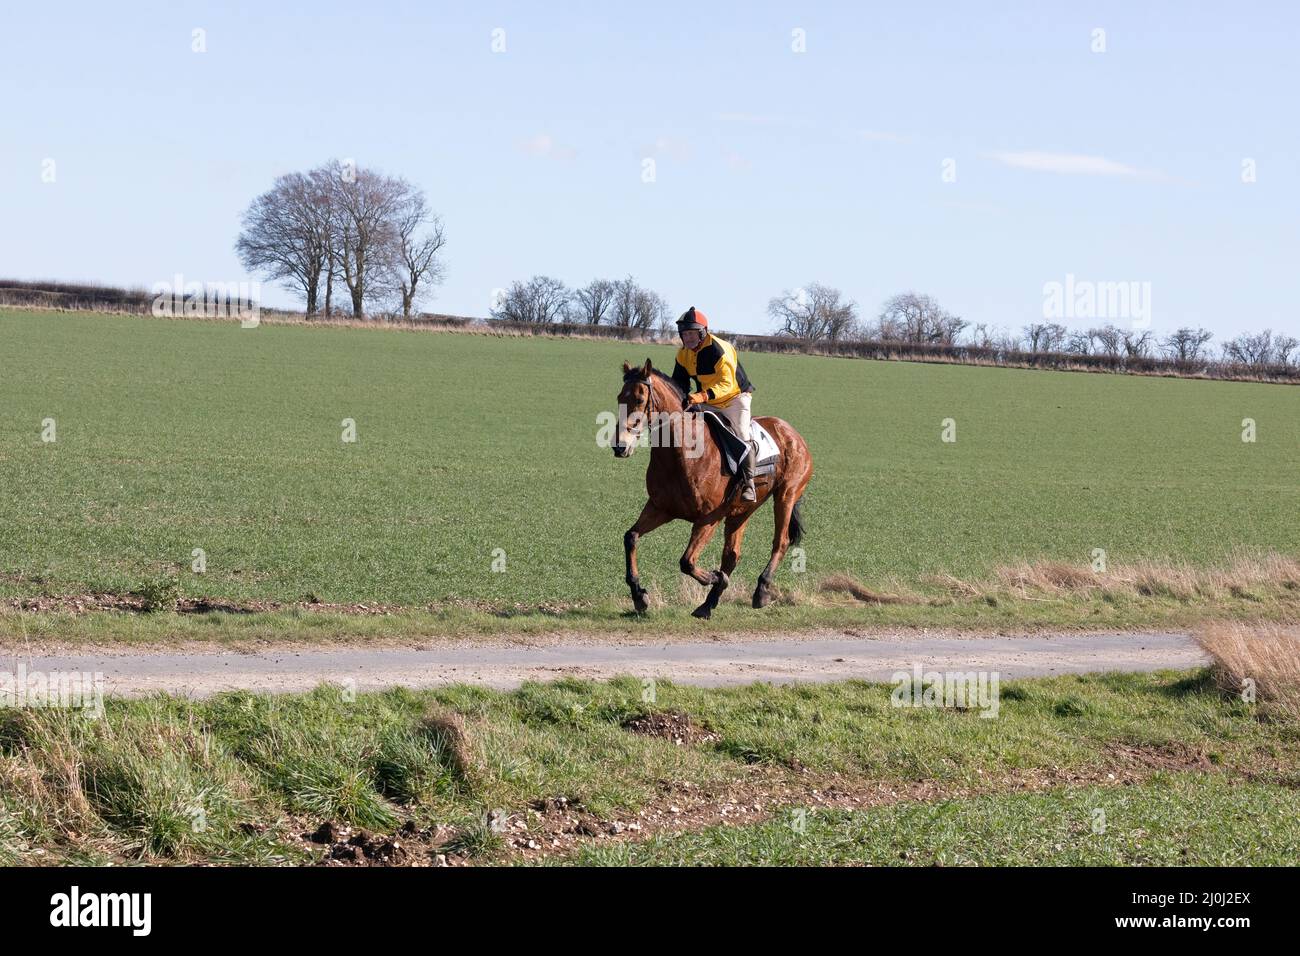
(701, 532)
(735, 529)
(651, 518)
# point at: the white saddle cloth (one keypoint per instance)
(767, 447)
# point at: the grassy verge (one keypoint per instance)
(1173, 820)
(470, 774)
(1023, 598)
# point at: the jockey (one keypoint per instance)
(723, 383)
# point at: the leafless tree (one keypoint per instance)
(285, 235)
(1110, 340)
(985, 336)
(918, 318)
(632, 306)
(650, 311)
(1137, 344)
(1079, 343)
(420, 237)
(541, 300)
(1254, 351)
(369, 205)
(1186, 344)
(592, 301)
(1045, 337)
(1284, 346)
(372, 232)
(816, 313)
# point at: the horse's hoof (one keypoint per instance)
(762, 598)
(703, 612)
(640, 604)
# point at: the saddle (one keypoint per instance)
(734, 449)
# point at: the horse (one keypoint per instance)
(685, 481)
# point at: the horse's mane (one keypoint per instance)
(666, 379)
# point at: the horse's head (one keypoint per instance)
(634, 407)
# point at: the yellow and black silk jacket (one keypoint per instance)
(717, 369)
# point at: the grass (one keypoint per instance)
(1174, 820)
(234, 777)
(174, 436)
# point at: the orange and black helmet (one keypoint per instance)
(692, 318)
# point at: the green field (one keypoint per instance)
(176, 435)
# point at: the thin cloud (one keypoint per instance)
(882, 136)
(1069, 164)
(676, 149)
(754, 119)
(544, 145)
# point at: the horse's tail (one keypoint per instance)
(797, 526)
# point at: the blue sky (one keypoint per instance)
(773, 168)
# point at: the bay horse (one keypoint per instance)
(685, 481)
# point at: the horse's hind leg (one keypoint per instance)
(783, 507)
(651, 518)
(735, 531)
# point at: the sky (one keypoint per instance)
(974, 152)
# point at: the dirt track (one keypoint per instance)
(198, 671)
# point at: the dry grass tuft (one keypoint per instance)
(1267, 654)
(1049, 576)
(1245, 577)
(449, 732)
(843, 584)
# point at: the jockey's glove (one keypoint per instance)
(696, 399)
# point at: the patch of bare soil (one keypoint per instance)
(409, 846)
(1168, 757)
(561, 828)
(671, 725)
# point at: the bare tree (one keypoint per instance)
(1186, 344)
(986, 336)
(649, 310)
(420, 237)
(633, 307)
(285, 235)
(816, 313)
(1254, 351)
(1110, 340)
(918, 318)
(541, 300)
(1138, 344)
(592, 301)
(1283, 347)
(1079, 343)
(1045, 337)
(368, 205)
(322, 190)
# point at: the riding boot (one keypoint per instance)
(747, 473)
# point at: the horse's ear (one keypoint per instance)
(626, 368)
(648, 369)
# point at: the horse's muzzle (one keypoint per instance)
(622, 451)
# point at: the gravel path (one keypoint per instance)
(826, 656)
